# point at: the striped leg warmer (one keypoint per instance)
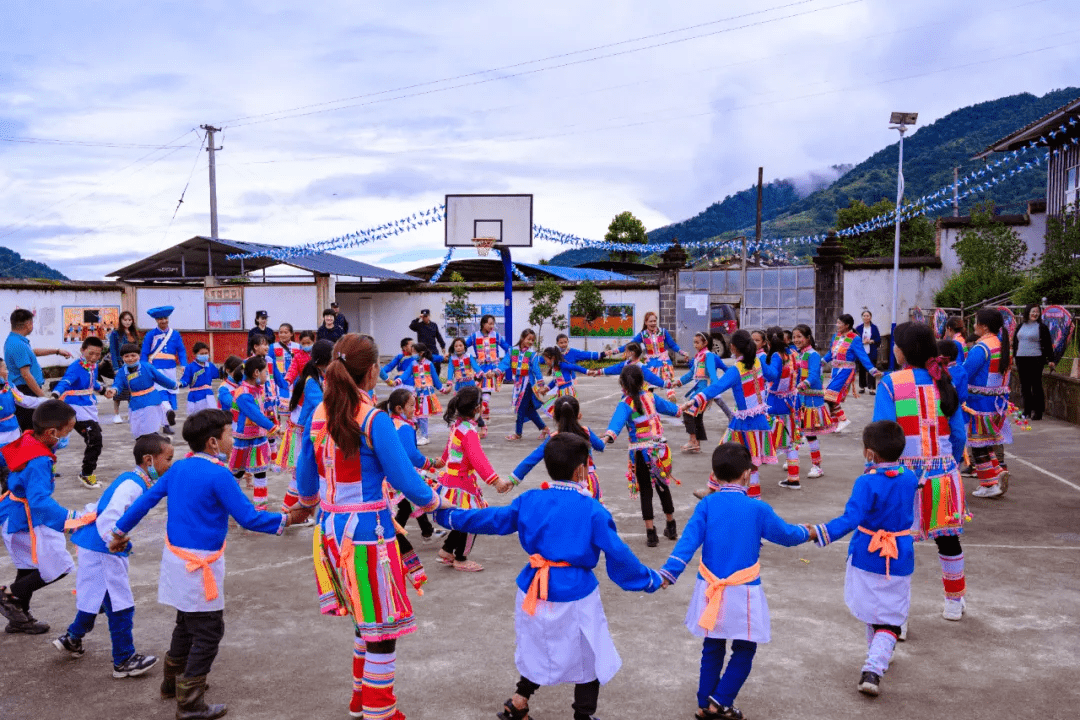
(952, 575)
(414, 569)
(793, 464)
(291, 496)
(754, 490)
(380, 703)
(259, 493)
(839, 415)
(880, 652)
(486, 395)
(815, 451)
(356, 705)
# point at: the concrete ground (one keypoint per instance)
(1014, 655)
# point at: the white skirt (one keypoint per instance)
(53, 557)
(101, 573)
(146, 420)
(877, 599)
(184, 590)
(171, 374)
(9, 437)
(744, 614)
(207, 403)
(565, 642)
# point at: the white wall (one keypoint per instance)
(386, 316)
(1033, 234)
(189, 312)
(47, 306)
(872, 290)
(295, 304)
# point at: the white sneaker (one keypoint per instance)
(953, 609)
(1003, 481)
(815, 472)
(902, 637)
(422, 441)
(117, 420)
(988, 491)
(843, 426)
(784, 466)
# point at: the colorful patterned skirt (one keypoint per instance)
(290, 446)
(427, 404)
(365, 580)
(758, 442)
(988, 428)
(564, 391)
(658, 457)
(815, 419)
(939, 503)
(785, 432)
(250, 455)
(462, 498)
(841, 381)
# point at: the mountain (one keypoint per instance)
(13, 265)
(930, 154)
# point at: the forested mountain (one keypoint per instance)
(13, 265)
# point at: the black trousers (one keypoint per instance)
(25, 416)
(1030, 370)
(196, 637)
(645, 489)
(948, 545)
(91, 433)
(27, 582)
(586, 696)
(404, 512)
(866, 380)
(695, 425)
(459, 544)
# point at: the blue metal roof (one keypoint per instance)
(324, 262)
(577, 274)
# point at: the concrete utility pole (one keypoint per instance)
(757, 224)
(210, 130)
(956, 192)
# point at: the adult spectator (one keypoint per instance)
(339, 318)
(1033, 348)
(871, 341)
(329, 330)
(22, 362)
(164, 349)
(428, 333)
(262, 319)
(127, 332)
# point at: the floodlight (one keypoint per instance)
(903, 118)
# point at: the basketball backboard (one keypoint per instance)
(507, 218)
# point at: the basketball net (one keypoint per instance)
(483, 245)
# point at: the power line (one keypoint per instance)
(87, 143)
(184, 191)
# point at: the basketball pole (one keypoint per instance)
(508, 293)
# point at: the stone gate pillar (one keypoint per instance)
(828, 289)
(671, 262)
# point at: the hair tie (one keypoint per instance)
(341, 356)
(935, 366)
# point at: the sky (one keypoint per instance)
(337, 117)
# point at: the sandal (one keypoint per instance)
(691, 449)
(513, 438)
(467, 566)
(511, 712)
(544, 433)
(446, 558)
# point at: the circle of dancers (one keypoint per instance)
(311, 408)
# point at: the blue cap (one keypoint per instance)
(160, 312)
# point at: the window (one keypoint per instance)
(1072, 188)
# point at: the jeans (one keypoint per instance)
(120, 625)
(527, 411)
(196, 637)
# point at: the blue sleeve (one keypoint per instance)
(470, 341)
(181, 351)
(958, 434)
(279, 379)
(534, 370)
(665, 406)
(503, 342)
(614, 369)
(623, 567)
(574, 368)
(114, 350)
(652, 378)
(688, 375)
(636, 339)
(224, 397)
(249, 409)
(884, 405)
(393, 364)
(185, 379)
(68, 380)
(159, 377)
(38, 486)
(670, 342)
(307, 471)
(120, 382)
(619, 419)
(406, 375)
(773, 368)
(728, 380)
(857, 508)
(229, 494)
(861, 356)
(399, 470)
(407, 435)
(489, 521)
(693, 535)
(714, 365)
(721, 366)
(144, 504)
(504, 364)
(813, 371)
(531, 461)
(597, 443)
(974, 361)
(145, 354)
(776, 530)
(473, 364)
(435, 379)
(875, 336)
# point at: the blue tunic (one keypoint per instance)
(650, 377)
(174, 352)
(200, 380)
(144, 377)
(537, 456)
(131, 484)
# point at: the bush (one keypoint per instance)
(990, 254)
(1057, 278)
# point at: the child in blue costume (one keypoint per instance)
(31, 521)
(229, 383)
(251, 429)
(202, 497)
(728, 601)
(521, 366)
(703, 372)
(198, 378)
(79, 388)
(631, 357)
(562, 341)
(141, 381)
(462, 369)
(567, 413)
(10, 397)
(101, 581)
(418, 372)
(395, 363)
(562, 373)
(881, 555)
(307, 393)
(562, 633)
(164, 349)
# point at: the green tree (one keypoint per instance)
(916, 234)
(626, 228)
(990, 253)
(1057, 278)
(459, 311)
(588, 303)
(544, 303)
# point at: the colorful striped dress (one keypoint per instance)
(934, 445)
(646, 435)
(814, 417)
(465, 465)
(988, 395)
(562, 382)
(420, 374)
(251, 449)
(523, 372)
(783, 400)
(462, 371)
(655, 349)
(486, 348)
(846, 351)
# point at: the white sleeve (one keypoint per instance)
(28, 401)
(121, 500)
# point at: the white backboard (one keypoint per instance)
(509, 218)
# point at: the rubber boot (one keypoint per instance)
(651, 540)
(172, 668)
(671, 531)
(190, 700)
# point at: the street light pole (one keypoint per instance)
(899, 121)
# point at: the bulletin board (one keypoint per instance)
(83, 321)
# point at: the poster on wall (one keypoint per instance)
(464, 329)
(617, 321)
(81, 322)
(224, 308)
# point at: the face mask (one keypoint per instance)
(153, 473)
(306, 348)
(133, 366)
(61, 443)
(202, 359)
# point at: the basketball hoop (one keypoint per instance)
(483, 245)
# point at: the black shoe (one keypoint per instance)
(651, 538)
(510, 712)
(167, 430)
(790, 485)
(134, 666)
(726, 712)
(170, 417)
(10, 607)
(671, 532)
(70, 644)
(967, 471)
(1037, 416)
(29, 626)
(870, 684)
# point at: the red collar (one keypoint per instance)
(19, 453)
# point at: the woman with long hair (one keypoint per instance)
(781, 373)
(814, 416)
(922, 399)
(126, 332)
(1033, 348)
(845, 355)
(657, 342)
(486, 343)
(750, 426)
(987, 367)
(307, 393)
(567, 413)
(521, 366)
(465, 465)
(703, 373)
(649, 464)
(350, 451)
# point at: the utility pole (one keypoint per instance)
(956, 192)
(210, 130)
(757, 224)
(742, 283)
